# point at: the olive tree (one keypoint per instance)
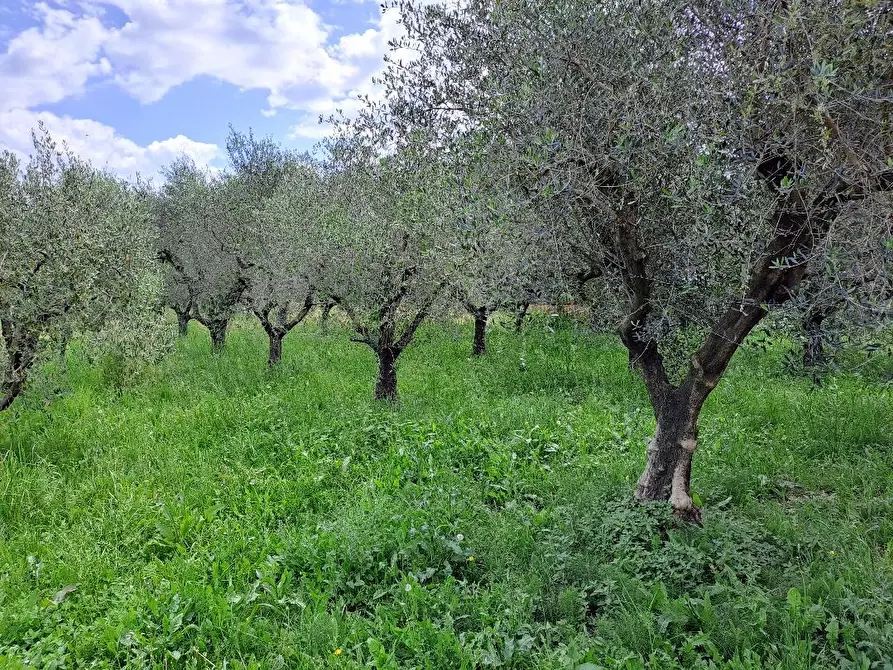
(75, 256)
(278, 200)
(387, 244)
(506, 250)
(196, 215)
(710, 150)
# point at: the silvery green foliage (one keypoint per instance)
(197, 216)
(388, 240)
(509, 254)
(75, 257)
(672, 111)
(705, 155)
(279, 201)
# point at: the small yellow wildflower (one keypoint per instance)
(470, 559)
(832, 553)
(338, 651)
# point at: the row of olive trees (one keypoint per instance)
(389, 236)
(708, 162)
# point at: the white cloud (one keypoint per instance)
(280, 46)
(274, 45)
(99, 143)
(51, 62)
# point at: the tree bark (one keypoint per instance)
(324, 321)
(667, 474)
(21, 348)
(386, 382)
(276, 336)
(520, 314)
(480, 333)
(9, 392)
(218, 334)
(182, 322)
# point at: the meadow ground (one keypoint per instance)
(213, 514)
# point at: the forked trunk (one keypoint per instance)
(386, 383)
(480, 333)
(667, 474)
(276, 337)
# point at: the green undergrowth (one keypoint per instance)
(208, 513)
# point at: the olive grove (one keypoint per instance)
(687, 169)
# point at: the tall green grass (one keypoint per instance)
(212, 513)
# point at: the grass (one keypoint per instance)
(209, 513)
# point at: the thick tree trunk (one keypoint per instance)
(480, 333)
(520, 314)
(275, 356)
(667, 474)
(218, 335)
(386, 383)
(182, 322)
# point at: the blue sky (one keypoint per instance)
(130, 84)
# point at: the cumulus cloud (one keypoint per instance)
(282, 47)
(99, 143)
(52, 61)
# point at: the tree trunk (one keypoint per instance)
(20, 352)
(182, 322)
(814, 354)
(276, 337)
(386, 383)
(9, 391)
(667, 474)
(324, 322)
(218, 335)
(520, 314)
(480, 333)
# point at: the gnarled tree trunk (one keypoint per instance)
(275, 355)
(480, 334)
(386, 381)
(814, 354)
(21, 348)
(667, 474)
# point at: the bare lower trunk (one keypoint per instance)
(480, 334)
(520, 314)
(324, 321)
(814, 354)
(667, 474)
(275, 356)
(9, 391)
(20, 351)
(182, 322)
(386, 383)
(218, 335)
